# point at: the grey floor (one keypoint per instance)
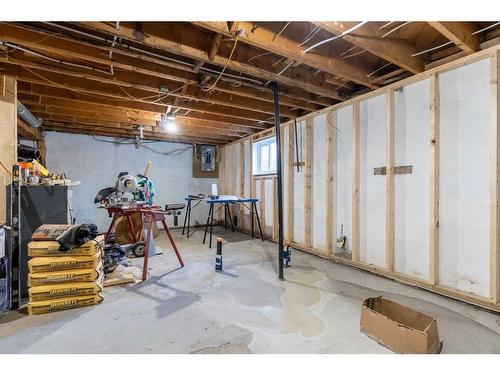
(245, 309)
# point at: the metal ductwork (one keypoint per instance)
(27, 116)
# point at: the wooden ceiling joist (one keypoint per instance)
(181, 39)
(281, 45)
(368, 37)
(131, 62)
(460, 33)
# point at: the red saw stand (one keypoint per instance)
(150, 214)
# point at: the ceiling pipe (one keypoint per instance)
(27, 116)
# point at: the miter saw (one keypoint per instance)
(129, 191)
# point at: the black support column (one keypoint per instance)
(279, 173)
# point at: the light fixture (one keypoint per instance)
(171, 125)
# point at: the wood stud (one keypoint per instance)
(330, 151)
(434, 181)
(390, 182)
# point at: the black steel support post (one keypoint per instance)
(279, 175)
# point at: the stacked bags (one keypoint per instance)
(61, 280)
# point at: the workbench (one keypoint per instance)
(224, 202)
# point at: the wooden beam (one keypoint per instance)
(131, 62)
(74, 127)
(495, 178)
(46, 93)
(459, 33)
(368, 37)
(390, 181)
(109, 91)
(143, 90)
(356, 182)
(27, 132)
(8, 138)
(182, 40)
(434, 180)
(330, 213)
(308, 201)
(281, 45)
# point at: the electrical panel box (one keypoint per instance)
(207, 158)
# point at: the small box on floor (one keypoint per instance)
(399, 328)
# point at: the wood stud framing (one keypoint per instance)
(330, 152)
(390, 182)
(434, 180)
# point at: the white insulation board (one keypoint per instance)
(298, 180)
(318, 192)
(285, 163)
(269, 204)
(411, 191)
(342, 175)
(372, 187)
(464, 229)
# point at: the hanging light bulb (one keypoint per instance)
(170, 124)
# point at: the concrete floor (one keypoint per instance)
(242, 310)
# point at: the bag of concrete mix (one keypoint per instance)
(52, 305)
(65, 290)
(51, 248)
(52, 264)
(67, 276)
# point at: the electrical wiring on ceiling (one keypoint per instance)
(347, 51)
(58, 61)
(385, 25)
(354, 54)
(281, 31)
(378, 69)
(335, 37)
(142, 143)
(432, 49)
(396, 28)
(225, 65)
(259, 55)
(486, 28)
(309, 36)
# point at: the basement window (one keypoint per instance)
(264, 156)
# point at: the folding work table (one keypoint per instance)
(224, 202)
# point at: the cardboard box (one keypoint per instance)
(51, 248)
(52, 264)
(69, 276)
(52, 305)
(398, 327)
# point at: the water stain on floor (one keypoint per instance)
(298, 297)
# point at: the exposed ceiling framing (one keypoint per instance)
(110, 78)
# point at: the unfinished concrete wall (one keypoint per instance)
(97, 164)
(430, 226)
